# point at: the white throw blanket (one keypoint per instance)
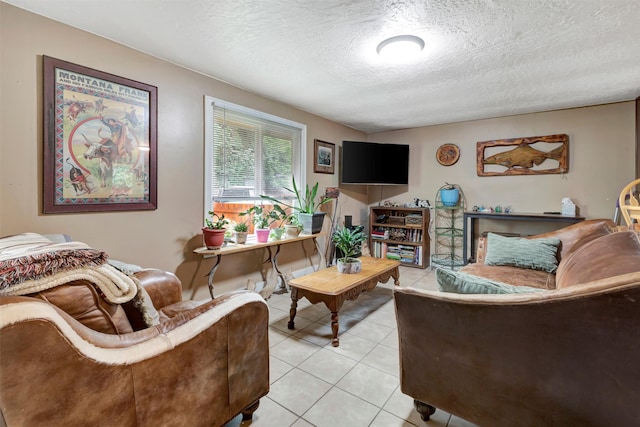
(116, 286)
(31, 263)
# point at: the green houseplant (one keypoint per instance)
(293, 226)
(349, 241)
(213, 231)
(260, 221)
(241, 229)
(263, 219)
(306, 206)
(277, 215)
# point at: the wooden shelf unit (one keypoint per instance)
(407, 235)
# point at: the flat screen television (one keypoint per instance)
(374, 163)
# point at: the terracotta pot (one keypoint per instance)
(262, 235)
(213, 238)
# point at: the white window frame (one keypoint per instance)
(209, 102)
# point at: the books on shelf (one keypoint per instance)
(380, 234)
(402, 235)
(403, 253)
(379, 250)
(415, 235)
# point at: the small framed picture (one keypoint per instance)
(325, 157)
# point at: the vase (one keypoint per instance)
(352, 266)
(449, 197)
(292, 231)
(276, 233)
(311, 223)
(213, 238)
(241, 237)
(262, 235)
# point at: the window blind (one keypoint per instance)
(251, 156)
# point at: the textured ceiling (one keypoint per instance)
(483, 58)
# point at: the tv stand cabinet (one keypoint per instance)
(400, 234)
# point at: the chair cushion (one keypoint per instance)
(81, 300)
(512, 275)
(535, 254)
(462, 283)
(140, 311)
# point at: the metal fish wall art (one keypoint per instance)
(521, 159)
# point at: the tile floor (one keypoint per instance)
(353, 385)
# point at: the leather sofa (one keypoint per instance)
(563, 356)
(68, 357)
(572, 238)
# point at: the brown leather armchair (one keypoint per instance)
(69, 358)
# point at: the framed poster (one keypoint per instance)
(100, 148)
(325, 156)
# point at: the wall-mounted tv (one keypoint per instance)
(374, 163)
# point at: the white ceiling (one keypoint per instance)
(483, 58)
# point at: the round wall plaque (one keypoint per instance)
(447, 154)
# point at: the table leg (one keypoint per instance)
(266, 272)
(212, 272)
(396, 277)
(274, 262)
(464, 239)
(310, 257)
(334, 328)
(320, 255)
(472, 232)
(294, 308)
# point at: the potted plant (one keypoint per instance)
(293, 227)
(260, 221)
(279, 215)
(241, 230)
(349, 241)
(213, 232)
(449, 194)
(263, 219)
(306, 207)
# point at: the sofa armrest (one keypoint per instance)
(576, 235)
(213, 359)
(163, 287)
(556, 358)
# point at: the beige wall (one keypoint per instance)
(601, 160)
(162, 238)
(602, 151)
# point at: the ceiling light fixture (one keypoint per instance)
(400, 47)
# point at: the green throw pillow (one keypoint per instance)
(535, 254)
(462, 283)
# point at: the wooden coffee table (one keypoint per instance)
(333, 288)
